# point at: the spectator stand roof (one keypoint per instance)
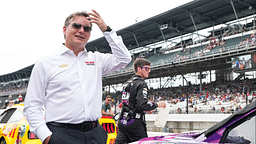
(188, 18)
(185, 19)
(19, 74)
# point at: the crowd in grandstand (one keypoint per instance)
(13, 87)
(216, 97)
(215, 42)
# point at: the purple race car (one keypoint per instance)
(238, 128)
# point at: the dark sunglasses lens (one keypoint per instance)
(146, 68)
(87, 28)
(76, 25)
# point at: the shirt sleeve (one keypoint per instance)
(34, 101)
(120, 56)
(103, 107)
(142, 98)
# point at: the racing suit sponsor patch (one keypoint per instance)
(145, 92)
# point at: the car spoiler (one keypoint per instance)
(249, 109)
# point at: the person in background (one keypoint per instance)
(179, 111)
(131, 124)
(230, 110)
(20, 99)
(11, 103)
(68, 83)
(6, 104)
(106, 106)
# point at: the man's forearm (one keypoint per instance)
(106, 113)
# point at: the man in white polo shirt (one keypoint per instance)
(68, 84)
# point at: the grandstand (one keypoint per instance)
(174, 37)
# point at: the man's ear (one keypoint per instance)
(138, 69)
(64, 30)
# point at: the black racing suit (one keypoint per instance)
(131, 124)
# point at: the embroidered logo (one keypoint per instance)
(89, 62)
(63, 65)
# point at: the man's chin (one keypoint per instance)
(80, 44)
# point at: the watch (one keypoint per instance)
(108, 29)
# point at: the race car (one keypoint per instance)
(108, 123)
(239, 128)
(14, 128)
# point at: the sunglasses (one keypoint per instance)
(146, 68)
(78, 26)
(109, 100)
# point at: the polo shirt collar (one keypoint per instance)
(63, 49)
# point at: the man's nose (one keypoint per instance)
(81, 29)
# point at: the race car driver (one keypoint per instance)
(131, 124)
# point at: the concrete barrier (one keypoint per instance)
(177, 123)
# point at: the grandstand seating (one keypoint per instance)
(159, 59)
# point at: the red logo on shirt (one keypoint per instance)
(89, 62)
